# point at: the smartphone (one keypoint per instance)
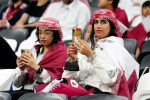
(26, 51)
(76, 33)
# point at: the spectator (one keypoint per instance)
(46, 61)
(8, 57)
(27, 21)
(113, 6)
(11, 14)
(142, 32)
(101, 63)
(74, 14)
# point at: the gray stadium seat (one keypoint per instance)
(94, 5)
(5, 96)
(43, 96)
(102, 97)
(145, 51)
(131, 46)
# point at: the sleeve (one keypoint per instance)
(19, 77)
(70, 70)
(83, 19)
(45, 77)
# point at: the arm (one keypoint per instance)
(22, 21)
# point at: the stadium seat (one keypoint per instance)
(145, 51)
(131, 46)
(5, 96)
(43, 96)
(94, 5)
(102, 97)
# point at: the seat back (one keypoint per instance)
(103, 97)
(43, 96)
(145, 61)
(146, 46)
(130, 45)
(145, 51)
(94, 5)
(5, 96)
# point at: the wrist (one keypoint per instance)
(90, 54)
(40, 69)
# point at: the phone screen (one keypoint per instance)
(77, 33)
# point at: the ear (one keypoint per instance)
(110, 1)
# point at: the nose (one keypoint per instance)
(99, 25)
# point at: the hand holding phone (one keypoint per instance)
(26, 51)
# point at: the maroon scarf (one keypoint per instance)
(53, 61)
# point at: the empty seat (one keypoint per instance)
(145, 51)
(145, 63)
(94, 5)
(103, 97)
(5, 96)
(43, 96)
(130, 45)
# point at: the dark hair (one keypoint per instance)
(115, 3)
(26, 1)
(56, 36)
(111, 33)
(145, 4)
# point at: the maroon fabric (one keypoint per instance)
(71, 89)
(121, 16)
(53, 61)
(139, 34)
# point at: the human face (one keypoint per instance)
(45, 36)
(103, 3)
(101, 28)
(146, 11)
(67, 1)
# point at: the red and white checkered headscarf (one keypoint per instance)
(50, 23)
(109, 15)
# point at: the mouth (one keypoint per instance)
(43, 41)
(98, 31)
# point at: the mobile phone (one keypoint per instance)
(76, 33)
(26, 51)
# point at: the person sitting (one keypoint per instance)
(101, 62)
(24, 26)
(74, 14)
(8, 57)
(46, 61)
(113, 6)
(12, 13)
(142, 31)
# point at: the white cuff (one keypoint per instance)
(45, 76)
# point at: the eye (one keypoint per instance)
(40, 32)
(104, 21)
(95, 21)
(47, 32)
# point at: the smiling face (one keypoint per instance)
(46, 36)
(101, 28)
